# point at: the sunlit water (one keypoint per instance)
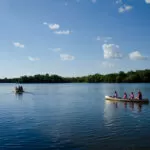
(73, 117)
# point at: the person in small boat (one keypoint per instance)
(16, 88)
(132, 95)
(115, 94)
(125, 95)
(139, 97)
(19, 89)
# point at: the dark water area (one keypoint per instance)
(73, 117)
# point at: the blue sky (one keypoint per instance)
(73, 37)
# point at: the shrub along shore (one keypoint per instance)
(139, 76)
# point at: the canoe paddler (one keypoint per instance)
(115, 94)
(132, 95)
(125, 95)
(139, 95)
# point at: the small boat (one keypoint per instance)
(126, 100)
(19, 90)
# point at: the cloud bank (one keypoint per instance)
(66, 57)
(63, 32)
(147, 1)
(54, 26)
(125, 8)
(33, 58)
(19, 45)
(111, 51)
(137, 56)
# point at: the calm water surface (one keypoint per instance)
(73, 117)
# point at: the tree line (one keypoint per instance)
(139, 76)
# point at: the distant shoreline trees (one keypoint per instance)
(139, 76)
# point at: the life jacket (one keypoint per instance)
(132, 96)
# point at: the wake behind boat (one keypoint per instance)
(126, 100)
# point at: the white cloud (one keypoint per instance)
(107, 64)
(104, 39)
(137, 56)
(45, 23)
(66, 57)
(63, 32)
(93, 1)
(19, 45)
(56, 49)
(33, 58)
(54, 26)
(111, 51)
(125, 8)
(147, 1)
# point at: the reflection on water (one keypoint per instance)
(127, 105)
(19, 96)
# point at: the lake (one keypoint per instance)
(73, 117)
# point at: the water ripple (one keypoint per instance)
(72, 117)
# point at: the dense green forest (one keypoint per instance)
(139, 76)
